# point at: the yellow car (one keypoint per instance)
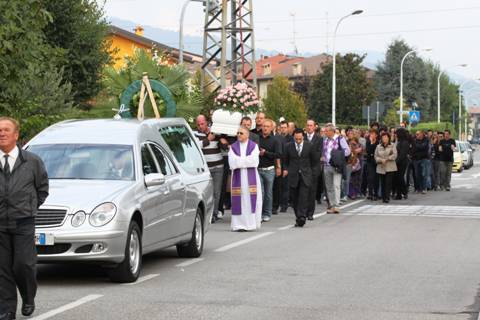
(457, 159)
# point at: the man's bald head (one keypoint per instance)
(202, 123)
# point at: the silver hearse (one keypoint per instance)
(120, 189)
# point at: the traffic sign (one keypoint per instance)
(414, 116)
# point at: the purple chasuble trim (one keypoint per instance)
(236, 192)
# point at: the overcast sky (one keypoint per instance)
(451, 28)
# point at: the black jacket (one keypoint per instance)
(25, 189)
(403, 150)
(317, 144)
(370, 152)
(421, 149)
(300, 166)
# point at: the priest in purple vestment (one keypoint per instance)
(246, 190)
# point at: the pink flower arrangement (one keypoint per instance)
(238, 98)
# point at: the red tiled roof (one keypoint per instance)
(474, 110)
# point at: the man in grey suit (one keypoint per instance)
(300, 158)
(23, 188)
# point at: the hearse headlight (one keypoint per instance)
(78, 219)
(102, 214)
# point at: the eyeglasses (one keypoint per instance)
(240, 133)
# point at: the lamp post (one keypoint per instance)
(438, 89)
(401, 79)
(334, 80)
(460, 106)
(180, 40)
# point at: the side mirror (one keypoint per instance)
(154, 179)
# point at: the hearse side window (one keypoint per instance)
(148, 163)
(183, 147)
(162, 160)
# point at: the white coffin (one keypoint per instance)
(227, 122)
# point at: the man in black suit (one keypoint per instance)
(300, 158)
(317, 143)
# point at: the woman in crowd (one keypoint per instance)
(403, 152)
(355, 164)
(385, 156)
(372, 177)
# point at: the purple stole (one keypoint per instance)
(236, 191)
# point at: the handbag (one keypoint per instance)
(337, 159)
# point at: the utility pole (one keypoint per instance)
(368, 116)
(228, 25)
(294, 39)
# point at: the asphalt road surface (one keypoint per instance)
(412, 259)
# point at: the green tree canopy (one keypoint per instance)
(78, 28)
(31, 83)
(282, 101)
(354, 90)
(416, 80)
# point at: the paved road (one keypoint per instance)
(412, 259)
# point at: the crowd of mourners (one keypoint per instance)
(265, 170)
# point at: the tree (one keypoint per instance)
(282, 101)
(448, 94)
(78, 28)
(30, 81)
(354, 90)
(416, 80)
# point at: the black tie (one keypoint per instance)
(6, 166)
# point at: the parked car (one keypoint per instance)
(457, 158)
(120, 189)
(467, 154)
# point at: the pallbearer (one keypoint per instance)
(243, 158)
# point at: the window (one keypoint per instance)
(148, 163)
(166, 167)
(87, 161)
(184, 148)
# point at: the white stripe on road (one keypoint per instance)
(189, 262)
(67, 307)
(242, 242)
(290, 226)
(142, 279)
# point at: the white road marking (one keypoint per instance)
(290, 226)
(67, 307)
(464, 186)
(476, 175)
(189, 262)
(242, 242)
(142, 279)
(417, 210)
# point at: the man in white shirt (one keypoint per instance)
(23, 188)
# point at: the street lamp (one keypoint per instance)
(438, 89)
(460, 107)
(401, 79)
(180, 40)
(334, 80)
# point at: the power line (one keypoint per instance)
(376, 33)
(400, 13)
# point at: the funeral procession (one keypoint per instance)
(239, 159)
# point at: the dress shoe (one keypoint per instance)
(310, 218)
(300, 223)
(282, 210)
(28, 309)
(8, 316)
(274, 211)
(336, 210)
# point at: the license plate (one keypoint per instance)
(44, 239)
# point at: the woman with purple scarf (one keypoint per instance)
(246, 191)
